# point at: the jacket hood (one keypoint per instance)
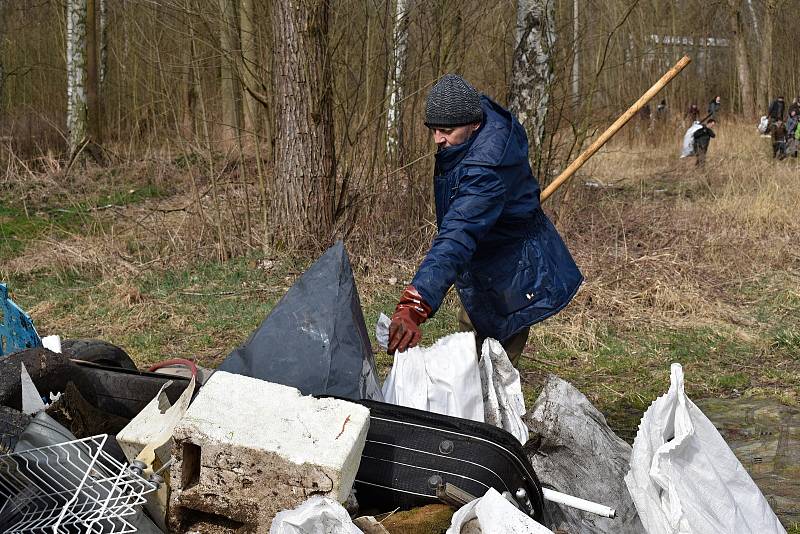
(501, 141)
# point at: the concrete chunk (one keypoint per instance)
(247, 449)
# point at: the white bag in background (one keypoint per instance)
(442, 378)
(317, 515)
(763, 125)
(684, 479)
(503, 402)
(494, 515)
(687, 148)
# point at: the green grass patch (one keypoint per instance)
(21, 225)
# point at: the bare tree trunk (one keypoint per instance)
(76, 63)
(394, 119)
(742, 64)
(532, 71)
(304, 154)
(191, 78)
(249, 61)
(765, 66)
(576, 70)
(229, 82)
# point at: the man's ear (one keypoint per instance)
(476, 126)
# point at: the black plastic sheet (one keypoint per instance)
(315, 338)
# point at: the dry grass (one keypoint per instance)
(667, 244)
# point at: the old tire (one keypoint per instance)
(97, 351)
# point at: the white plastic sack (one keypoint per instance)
(317, 515)
(494, 515)
(687, 148)
(684, 479)
(503, 402)
(763, 124)
(382, 330)
(442, 378)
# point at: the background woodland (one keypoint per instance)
(300, 121)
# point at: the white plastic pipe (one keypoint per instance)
(580, 504)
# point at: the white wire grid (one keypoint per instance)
(69, 487)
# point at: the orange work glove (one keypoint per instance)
(411, 311)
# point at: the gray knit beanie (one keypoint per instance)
(452, 102)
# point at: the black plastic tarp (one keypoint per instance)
(315, 338)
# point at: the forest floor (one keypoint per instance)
(700, 267)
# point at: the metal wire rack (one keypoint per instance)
(70, 487)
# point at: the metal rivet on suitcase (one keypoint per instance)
(435, 481)
(446, 447)
(522, 498)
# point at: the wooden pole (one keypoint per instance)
(614, 128)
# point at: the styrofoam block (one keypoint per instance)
(247, 448)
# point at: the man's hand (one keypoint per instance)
(411, 311)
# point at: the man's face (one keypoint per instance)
(447, 137)
(718, 100)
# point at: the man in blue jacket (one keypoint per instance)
(494, 242)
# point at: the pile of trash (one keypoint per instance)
(295, 434)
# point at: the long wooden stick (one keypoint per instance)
(614, 128)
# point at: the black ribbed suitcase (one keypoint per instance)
(409, 453)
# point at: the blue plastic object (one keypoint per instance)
(16, 328)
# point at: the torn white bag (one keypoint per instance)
(687, 148)
(684, 479)
(442, 378)
(317, 515)
(493, 515)
(503, 402)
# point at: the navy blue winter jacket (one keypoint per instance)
(508, 262)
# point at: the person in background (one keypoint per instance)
(795, 106)
(797, 137)
(702, 138)
(714, 106)
(792, 126)
(494, 242)
(779, 135)
(661, 111)
(776, 109)
(693, 113)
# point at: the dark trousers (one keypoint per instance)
(700, 152)
(513, 345)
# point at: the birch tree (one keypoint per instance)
(532, 70)
(76, 65)
(394, 89)
(103, 43)
(576, 69)
(304, 158)
(92, 74)
(754, 19)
